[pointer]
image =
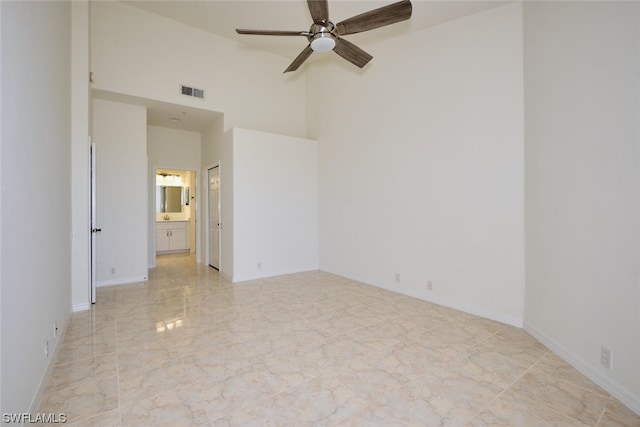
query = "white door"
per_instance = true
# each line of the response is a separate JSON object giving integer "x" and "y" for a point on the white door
{"x": 214, "y": 217}
{"x": 94, "y": 228}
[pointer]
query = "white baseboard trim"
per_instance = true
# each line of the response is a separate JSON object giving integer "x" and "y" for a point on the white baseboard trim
{"x": 471, "y": 309}
{"x": 81, "y": 307}
{"x": 261, "y": 275}
{"x": 122, "y": 281}
{"x": 617, "y": 390}
{"x": 431, "y": 297}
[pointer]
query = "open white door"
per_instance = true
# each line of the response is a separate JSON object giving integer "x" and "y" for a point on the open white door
{"x": 94, "y": 228}
{"x": 214, "y": 217}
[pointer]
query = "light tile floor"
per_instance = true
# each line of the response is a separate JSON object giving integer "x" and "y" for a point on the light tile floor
{"x": 189, "y": 348}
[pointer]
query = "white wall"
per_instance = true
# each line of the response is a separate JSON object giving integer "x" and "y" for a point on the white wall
{"x": 227, "y": 192}
{"x": 173, "y": 149}
{"x": 583, "y": 186}
{"x": 212, "y": 142}
{"x": 80, "y": 170}
{"x": 120, "y": 133}
{"x": 275, "y": 204}
{"x": 2, "y": 384}
{"x": 421, "y": 164}
{"x": 139, "y": 53}
{"x": 36, "y": 216}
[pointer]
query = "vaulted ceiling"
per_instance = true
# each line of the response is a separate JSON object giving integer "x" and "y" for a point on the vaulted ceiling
{"x": 223, "y": 17}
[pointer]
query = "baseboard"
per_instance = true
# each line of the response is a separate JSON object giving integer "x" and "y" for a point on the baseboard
{"x": 81, "y": 307}
{"x": 255, "y": 276}
{"x": 617, "y": 390}
{"x": 37, "y": 398}
{"x": 178, "y": 251}
{"x": 471, "y": 309}
{"x": 436, "y": 299}
{"x": 122, "y": 281}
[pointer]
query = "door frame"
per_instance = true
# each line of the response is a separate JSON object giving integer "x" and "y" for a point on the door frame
{"x": 207, "y": 232}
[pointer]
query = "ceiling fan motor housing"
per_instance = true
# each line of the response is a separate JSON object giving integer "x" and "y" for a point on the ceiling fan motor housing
{"x": 322, "y": 36}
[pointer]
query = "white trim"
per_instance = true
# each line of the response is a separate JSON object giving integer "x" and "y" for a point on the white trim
{"x": 205, "y": 190}
{"x": 177, "y": 251}
{"x": 430, "y": 297}
{"x": 246, "y": 277}
{"x": 617, "y": 390}
{"x": 196, "y": 192}
{"x": 81, "y": 307}
{"x": 123, "y": 281}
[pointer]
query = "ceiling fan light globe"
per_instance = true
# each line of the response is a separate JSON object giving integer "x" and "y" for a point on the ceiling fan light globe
{"x": 323, "y": 43}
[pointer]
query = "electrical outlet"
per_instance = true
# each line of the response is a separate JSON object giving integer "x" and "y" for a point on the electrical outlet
{"x": 259, "y": 266}
{"x": 46, "y": 349}
{"x": 113, "y": 270}
{"x": 430, "y": 285}
{"x": 605, "y": 357}
{"x": 397, "y": 277}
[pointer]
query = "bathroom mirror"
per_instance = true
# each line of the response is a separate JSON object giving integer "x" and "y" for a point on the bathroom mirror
{"x": 168, "y": 199}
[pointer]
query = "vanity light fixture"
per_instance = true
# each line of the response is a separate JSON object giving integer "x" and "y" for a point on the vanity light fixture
{"x": 168, "y": 179}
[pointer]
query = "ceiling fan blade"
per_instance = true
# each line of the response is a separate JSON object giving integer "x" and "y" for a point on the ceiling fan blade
{"x": 300, "y": 59}
{"x": 376, "y": 18}
{"x": 272, "y": 32}
{"x": 319, "y": 10}
{"x": 352, "y": 53}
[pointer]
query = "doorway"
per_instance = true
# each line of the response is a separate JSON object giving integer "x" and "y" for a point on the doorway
{"x": 175, "y": 211}
{"x": 213, "y": 215}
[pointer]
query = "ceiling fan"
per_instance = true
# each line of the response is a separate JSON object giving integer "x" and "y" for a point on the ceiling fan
{"x": 324, "y": 35}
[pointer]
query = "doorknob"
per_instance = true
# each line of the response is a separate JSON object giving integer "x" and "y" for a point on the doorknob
{"x": 96, "y": 230}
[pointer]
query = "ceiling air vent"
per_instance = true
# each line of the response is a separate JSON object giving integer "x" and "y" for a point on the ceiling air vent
{"x": 192, "y": 91}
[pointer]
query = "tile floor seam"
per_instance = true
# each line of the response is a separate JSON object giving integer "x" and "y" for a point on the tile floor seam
{"x": 603, "y": 412}
{"x": 504, "y": 390}
{"x": 572, "y": 384}
{"x": 550, "y": 407}
{"x": 486, "y": 406}
{"x": 115, "y": 322}
{"x": 576, "y": 385}
{"x": 575, "y": 420}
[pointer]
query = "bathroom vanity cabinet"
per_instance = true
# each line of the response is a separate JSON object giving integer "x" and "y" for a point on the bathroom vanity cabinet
{"x": 172, "y": 236}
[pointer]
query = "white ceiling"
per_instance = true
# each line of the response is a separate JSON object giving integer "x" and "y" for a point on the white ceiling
{"x": 223, "y": 17}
